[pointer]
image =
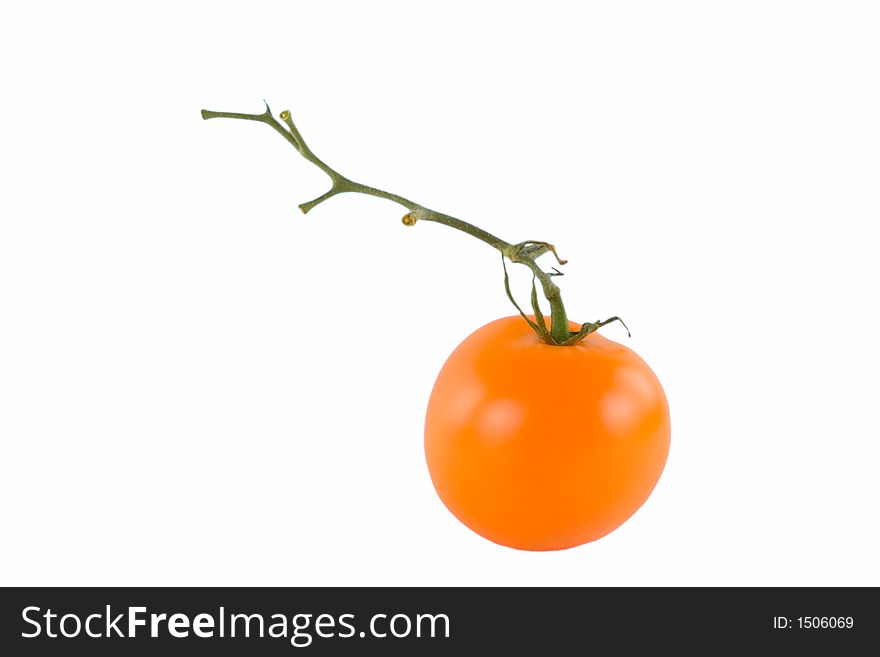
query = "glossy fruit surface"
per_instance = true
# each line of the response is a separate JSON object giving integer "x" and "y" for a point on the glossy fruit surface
{"x": 542, "y": 447}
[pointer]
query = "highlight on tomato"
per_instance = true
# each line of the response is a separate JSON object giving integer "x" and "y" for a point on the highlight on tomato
{"x": 540, "y": 433}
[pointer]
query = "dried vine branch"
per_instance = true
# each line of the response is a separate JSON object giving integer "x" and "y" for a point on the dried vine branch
{"x": 525, "y": 253}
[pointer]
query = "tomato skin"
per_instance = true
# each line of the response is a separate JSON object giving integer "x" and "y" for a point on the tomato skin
{"x": 541, "y": 447}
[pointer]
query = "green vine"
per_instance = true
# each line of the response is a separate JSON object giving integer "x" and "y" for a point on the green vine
{"x": 524, "y": 253}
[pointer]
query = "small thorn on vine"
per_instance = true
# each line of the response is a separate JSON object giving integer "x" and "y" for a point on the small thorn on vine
{"x": 409, "y": 219}
{"x": 555, "y": 272}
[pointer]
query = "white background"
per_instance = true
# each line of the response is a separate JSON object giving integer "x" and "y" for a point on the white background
{"x": 199, "y": 385}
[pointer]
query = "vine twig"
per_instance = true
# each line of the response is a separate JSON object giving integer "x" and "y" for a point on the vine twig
{"x": 524, "y": 253}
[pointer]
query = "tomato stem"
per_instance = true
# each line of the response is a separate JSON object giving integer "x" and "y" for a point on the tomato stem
{"x": 524, "y": 253}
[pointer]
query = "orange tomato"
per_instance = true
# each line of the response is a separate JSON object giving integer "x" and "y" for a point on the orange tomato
{"x": 541, "y": 447}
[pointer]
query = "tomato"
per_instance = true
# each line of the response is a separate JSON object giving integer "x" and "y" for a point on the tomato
{"x": 542, "y": 447}
{"x": 533, "y": 445}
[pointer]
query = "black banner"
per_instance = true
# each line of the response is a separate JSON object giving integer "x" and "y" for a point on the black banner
{"x": 432, "y": 621}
